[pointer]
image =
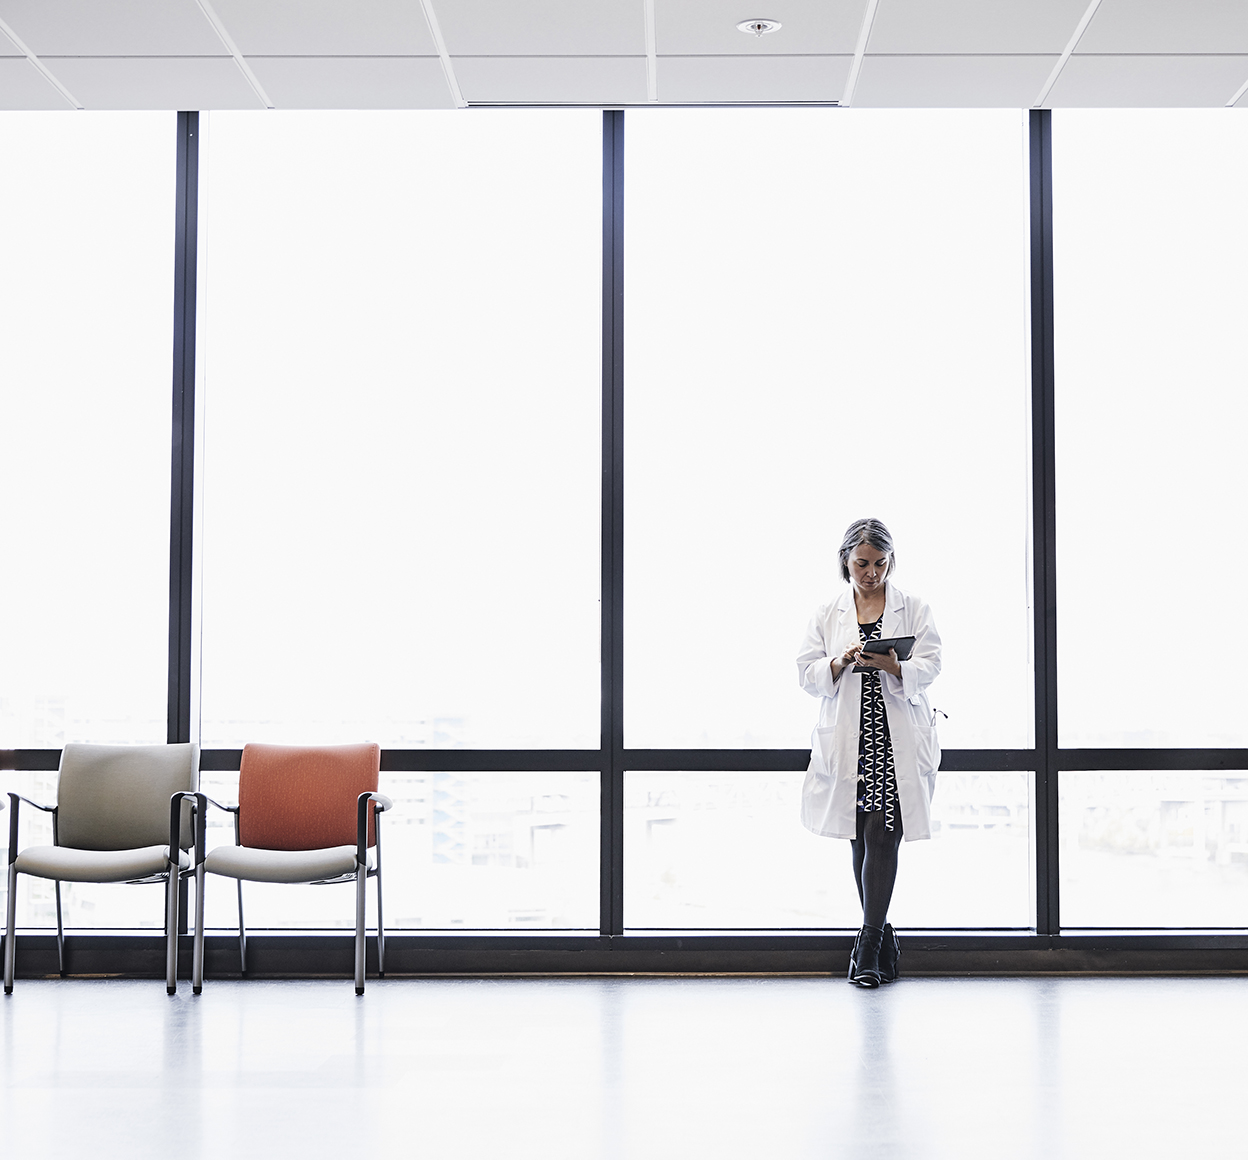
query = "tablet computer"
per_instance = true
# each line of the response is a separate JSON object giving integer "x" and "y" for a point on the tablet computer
{"x": 903, "y": 644}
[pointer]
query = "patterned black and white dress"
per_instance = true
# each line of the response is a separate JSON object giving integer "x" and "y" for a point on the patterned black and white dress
{"x": 877, "y": 777}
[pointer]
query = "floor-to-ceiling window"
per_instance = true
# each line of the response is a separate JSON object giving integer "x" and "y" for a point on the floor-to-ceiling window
{"x": 401, "y": 485}
{"x": 825, "y": 319}
{"x": 1151, "y": 244}
{"x": 86, "y": 302}
{"x": 405, "y": 475}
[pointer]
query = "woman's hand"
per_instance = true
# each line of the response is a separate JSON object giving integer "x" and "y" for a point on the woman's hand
{"x": 847, "y": 658}
{"x": 888, "y": 664}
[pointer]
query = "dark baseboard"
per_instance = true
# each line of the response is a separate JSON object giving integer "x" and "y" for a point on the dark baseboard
{"x": 312, "y": 955}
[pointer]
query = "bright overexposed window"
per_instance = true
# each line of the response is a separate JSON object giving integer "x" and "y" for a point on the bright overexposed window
{"x": 1148, "y": 849}
{"x": 86, "y": 318}
{"x": 1150, "y": 244}
{"x": 460, "y": 851}
{"x": 826, "y": 319}
{"x": 401, "y": 466}
{"x": 726, "y": 850}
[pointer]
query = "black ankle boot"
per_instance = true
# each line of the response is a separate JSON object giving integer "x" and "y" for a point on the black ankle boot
{"x": 870, "y": 942}
{"x": 890, "y": 953}
{"x": 853, "y": 957}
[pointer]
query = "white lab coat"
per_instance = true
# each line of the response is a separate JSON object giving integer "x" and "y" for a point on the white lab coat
{"x": 829, "y": 795}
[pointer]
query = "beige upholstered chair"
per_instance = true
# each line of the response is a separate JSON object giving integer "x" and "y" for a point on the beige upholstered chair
{"x": 304, "y": 815}
{"x": 115, "y": 820}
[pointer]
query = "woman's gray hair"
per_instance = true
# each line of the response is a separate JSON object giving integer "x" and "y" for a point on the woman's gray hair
{"x": 866, "y": 532}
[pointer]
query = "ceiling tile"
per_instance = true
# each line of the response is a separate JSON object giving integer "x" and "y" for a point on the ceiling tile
{"x": 975, "y": 26}
{"x": 1148, "y": 82}
{"x": 950, "y": 82}
{"x": 1167, "y": 26}
{"x": 599, "y": 80}
{"x": 112, "y": 27}
{"x": 714, "y": 79}
{"x": 543, "y": 27}
{"x": 22, "y": 86}
{"x": 327, "y": 27}
{"x": 153, "y": 82}
{"x": 353, "y": 82}
{"x": 693, "y": 27}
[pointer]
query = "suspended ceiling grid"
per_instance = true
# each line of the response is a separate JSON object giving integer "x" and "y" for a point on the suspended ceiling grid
{"x": 433, "y": 54}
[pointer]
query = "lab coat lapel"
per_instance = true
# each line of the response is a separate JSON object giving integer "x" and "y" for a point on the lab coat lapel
{"x": 846, "y": 620}
{"x": 894, "y": 606}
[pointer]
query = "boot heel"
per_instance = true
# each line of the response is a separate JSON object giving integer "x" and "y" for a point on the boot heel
{"x": 853, "y": 957}
{"x": 890, "y": 955}
{"x": 867, "y": 973}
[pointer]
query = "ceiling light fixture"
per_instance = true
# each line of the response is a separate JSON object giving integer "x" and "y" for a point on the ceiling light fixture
{"x": 758, "y": 26}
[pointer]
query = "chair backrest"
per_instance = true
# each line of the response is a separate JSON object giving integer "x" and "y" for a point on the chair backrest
{"x": 116, "y": 797}
{"x": 294, "y": 797}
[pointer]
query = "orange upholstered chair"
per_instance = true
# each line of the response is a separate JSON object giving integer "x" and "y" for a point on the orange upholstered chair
{"x": 303, "y": 815}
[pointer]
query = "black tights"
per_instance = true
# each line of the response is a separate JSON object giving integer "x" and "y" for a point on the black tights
{"x": 875, "y": 864}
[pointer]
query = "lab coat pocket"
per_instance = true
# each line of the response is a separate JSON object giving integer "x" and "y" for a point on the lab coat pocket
{"x": 819, "y": 788}
{"x": 823, "y": 751}
{"x": 926, "y": 749}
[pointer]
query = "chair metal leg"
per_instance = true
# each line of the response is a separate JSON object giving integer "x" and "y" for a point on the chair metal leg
{"x": 60, "y": 933}
{"x": 361, "y": 884}
{"x": 242, "y": 932}
{"x": 381, "y": 929}
{"x": 171, "y": 930}
{"x": 10, "y": 947}
{"x": 381, "y": 922}
{"x": 197, "y": 962}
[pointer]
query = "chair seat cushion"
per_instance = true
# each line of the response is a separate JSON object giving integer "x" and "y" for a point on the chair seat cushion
{"x": 71, "y": 865}
{"x": 255, "y": 864}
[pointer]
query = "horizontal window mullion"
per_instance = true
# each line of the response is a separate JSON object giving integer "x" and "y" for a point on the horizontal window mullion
{"x": 300, "y": 953}
{"x": 744, "y": 760}
{"x": 1152, "y": 759}
{"x": 30, "y": 759}
{"x": 451, "y": 760}
{"x": 762, "y": 760}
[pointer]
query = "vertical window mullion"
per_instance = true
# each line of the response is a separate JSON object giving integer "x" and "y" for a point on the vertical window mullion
{"x": 611, "y": 913}
{"x": 1044, "y": 560}
{"x": 182, "y": 482}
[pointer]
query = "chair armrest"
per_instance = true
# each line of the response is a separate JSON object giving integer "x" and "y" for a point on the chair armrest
{"x": 381, "y": 803}
{"x": 202, "y": 802}
{"x": 20, "y": 797}
{"x": 199, "y": 810}
{"x": 16, "y": 799}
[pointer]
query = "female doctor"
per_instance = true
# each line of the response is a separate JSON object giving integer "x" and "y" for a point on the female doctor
{"x": 874, "y": 753}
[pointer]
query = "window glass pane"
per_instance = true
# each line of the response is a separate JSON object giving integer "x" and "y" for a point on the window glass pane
{"x": 1149, "y": 849}
{"x": 826, "y": 320}
{"x": 401, "y": 477}
{"x": 726, "y": 850}
{"x": 86, "y": 316}
{"x": 500, "y": 851}
{"x": 1150, "y": 247}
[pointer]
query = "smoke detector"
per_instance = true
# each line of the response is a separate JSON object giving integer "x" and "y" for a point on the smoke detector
{"x": 758, "y": 26}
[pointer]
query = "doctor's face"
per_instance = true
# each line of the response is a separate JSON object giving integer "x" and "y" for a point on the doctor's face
{"x": 867, "y": 568}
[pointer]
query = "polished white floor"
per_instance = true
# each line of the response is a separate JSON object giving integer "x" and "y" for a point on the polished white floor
{"x": 627, "y": 1068}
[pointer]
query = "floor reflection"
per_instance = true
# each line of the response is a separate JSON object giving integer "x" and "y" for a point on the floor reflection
{"x": 616, "y": 1069}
